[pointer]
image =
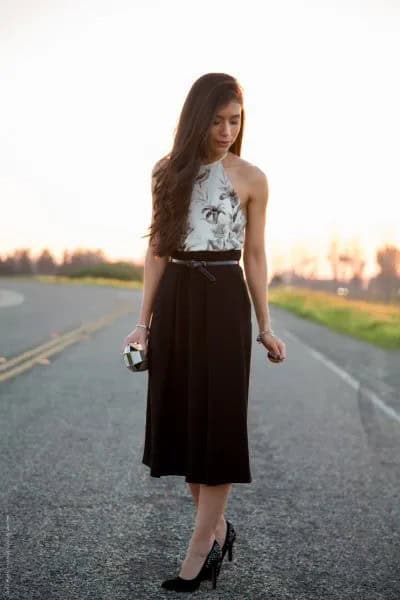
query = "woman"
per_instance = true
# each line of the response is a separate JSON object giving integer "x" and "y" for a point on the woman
{"x": 208, "y": 204}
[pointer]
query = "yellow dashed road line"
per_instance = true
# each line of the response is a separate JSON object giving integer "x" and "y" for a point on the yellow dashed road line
{"x": 28, "y": 359}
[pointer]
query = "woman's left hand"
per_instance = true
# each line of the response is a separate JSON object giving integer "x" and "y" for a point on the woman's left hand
{"x": 276, "y": 347}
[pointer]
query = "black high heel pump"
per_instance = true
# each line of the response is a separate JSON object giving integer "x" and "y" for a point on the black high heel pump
{"x": 227, "y": 546}
{"x": 209, "y": 570}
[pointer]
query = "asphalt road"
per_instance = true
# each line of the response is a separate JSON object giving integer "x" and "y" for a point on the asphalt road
{"x": 80, "y": 517}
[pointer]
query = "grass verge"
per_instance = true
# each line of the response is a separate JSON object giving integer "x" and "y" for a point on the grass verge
{"x": 373, "y": 322}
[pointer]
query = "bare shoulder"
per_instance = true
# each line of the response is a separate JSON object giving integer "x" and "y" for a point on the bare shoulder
{"x": 258, "y": 186}
{"x": 254, "y": 174}
{"x": 253, "y": 179}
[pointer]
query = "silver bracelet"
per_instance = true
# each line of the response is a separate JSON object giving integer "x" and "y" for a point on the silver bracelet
{"x": 144, "y": 326}
{"x": 259, "y": 339}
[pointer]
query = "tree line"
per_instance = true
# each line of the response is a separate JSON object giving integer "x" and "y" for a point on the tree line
{"x": 347, "y": 269}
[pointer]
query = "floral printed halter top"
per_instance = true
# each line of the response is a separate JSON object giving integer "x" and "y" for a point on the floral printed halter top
{"x": 215, "y": 219}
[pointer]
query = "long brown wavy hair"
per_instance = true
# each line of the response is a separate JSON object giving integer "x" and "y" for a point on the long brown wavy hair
{"x": 174, "y": 173}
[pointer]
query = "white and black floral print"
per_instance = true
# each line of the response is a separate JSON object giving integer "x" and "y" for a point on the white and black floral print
{"x": 215, "y": 219}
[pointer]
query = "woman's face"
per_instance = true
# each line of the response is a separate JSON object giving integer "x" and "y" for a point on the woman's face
{"x": 224, "y": 128}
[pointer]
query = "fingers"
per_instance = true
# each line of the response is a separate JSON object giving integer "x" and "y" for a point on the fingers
{"x": 135, "y": 342}
{"x": 277, "y": 353}
{"x": 274, "y": 349}
{"x": 282, "y": 349}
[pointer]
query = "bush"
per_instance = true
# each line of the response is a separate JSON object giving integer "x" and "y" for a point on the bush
{"x": 118, "y": 270}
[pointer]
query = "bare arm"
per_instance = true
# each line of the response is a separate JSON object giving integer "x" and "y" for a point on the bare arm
{"x": 154, "y": 267}
{"x": 254, "y": 258}
{"x": 255, "y": 264}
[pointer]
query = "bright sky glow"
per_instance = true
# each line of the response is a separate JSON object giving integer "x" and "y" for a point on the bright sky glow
{"x": 91, "y": 92}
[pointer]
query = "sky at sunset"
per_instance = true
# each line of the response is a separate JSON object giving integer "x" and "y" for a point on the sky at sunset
{"x": 91, "y": 91}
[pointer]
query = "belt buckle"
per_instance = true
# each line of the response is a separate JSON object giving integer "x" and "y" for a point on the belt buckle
{"x": 195, "y": 263}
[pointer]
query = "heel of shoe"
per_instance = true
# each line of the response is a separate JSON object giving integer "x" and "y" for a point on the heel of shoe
{"x": 232, "y": 538}
{"x": 230, "y": 552}
{"x": 214, "y": 576}
{"x": 212, "y": 569}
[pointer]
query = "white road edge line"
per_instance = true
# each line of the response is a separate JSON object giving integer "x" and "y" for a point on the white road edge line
{"x": 7, "y": 581}
{"x": 352, "y": 381}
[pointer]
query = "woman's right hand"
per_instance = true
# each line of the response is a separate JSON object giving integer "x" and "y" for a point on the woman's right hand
{"x": 138, "y": 335}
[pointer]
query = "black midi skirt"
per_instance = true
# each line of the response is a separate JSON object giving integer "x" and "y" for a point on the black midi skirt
{"x": 199, "y": 352}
